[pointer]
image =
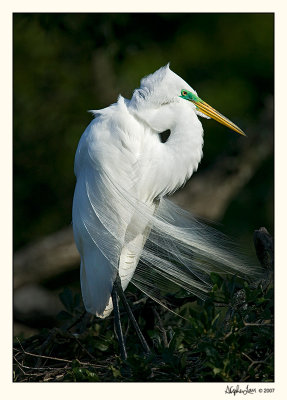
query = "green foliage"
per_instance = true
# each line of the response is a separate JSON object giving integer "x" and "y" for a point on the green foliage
{"x": 227, "y": 338}
{"x": 79, "y": 374}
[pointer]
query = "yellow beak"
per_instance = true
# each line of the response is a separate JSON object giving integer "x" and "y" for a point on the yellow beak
{"x": 209, "y": 111}
{"x": 212, "y": 113}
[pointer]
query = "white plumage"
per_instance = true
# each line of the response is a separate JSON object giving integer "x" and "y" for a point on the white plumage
{"x": 120, "y": 214}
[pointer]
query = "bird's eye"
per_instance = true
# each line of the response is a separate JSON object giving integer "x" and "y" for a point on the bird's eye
{"x": 183, "y": 92}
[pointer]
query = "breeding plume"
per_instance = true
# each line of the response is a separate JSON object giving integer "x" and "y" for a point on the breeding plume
{"x": 125, "y": 229}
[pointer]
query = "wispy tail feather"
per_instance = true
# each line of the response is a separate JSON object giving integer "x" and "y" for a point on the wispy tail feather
{"x": 178, "y": 249}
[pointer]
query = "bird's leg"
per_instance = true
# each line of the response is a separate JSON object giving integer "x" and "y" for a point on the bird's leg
{"x": 118, "y": 325}
{"x": 122, "y": 296}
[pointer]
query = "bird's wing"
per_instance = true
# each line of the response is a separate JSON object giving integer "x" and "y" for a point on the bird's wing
{"x": 109, "y": 225}
{"x": 96, "y": 243}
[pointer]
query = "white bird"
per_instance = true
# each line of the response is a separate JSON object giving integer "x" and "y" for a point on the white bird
{"x": 120, "y": 213}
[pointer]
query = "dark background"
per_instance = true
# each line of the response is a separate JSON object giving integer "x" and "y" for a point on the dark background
{"x": 66, "y": 64}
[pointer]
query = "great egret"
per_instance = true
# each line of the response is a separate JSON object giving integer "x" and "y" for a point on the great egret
{"x": 120, "y": 214}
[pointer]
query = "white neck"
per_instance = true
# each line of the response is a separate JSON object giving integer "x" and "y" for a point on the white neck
{"x": 167, "y": 166}
{"x": 183, "y": 152}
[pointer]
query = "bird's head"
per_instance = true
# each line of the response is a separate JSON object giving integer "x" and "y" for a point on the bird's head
{"x": 164, "y": 89}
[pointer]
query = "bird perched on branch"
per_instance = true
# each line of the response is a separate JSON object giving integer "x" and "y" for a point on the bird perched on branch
{"x": 124, "y": 227}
